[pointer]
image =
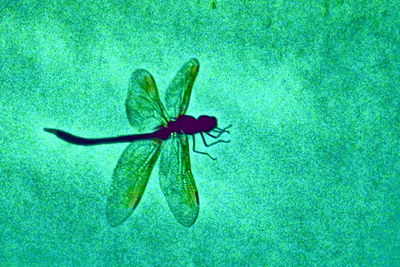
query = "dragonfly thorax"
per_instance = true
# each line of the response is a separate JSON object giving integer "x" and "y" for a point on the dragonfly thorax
{"x": 190, "y": 125}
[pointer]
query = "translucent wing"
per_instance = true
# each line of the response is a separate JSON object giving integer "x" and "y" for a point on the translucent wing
{"x": 130, "y": 179}
{"x": 143, "y": 106}
{"x": 178, "y": 93}
{"x": 177, "y": 181}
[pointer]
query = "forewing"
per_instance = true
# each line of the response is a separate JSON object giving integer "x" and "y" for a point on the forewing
{"x": 177, "y": 181}
{"x": 130, "y": 179}
{"x": 178, "y": 93}
{"x": 143, "y": 106}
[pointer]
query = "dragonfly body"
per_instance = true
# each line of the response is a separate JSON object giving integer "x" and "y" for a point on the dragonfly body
{"x": 184, "y": 124}
{"x": 171, "y": 127}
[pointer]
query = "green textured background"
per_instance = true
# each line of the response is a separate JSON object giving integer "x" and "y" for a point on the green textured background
{"x": 312, "y": 89}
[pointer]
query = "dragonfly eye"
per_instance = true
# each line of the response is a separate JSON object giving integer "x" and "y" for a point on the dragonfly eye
{"x": 208, "y": 123}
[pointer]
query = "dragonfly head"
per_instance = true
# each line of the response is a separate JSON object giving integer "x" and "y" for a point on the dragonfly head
{"x": 207, "y": 123}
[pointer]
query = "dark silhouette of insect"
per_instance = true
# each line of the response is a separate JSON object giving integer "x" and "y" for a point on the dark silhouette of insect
{"x": 170, "y": 130}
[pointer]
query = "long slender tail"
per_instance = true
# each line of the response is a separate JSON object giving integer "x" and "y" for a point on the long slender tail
{"x": 73, "y": 139}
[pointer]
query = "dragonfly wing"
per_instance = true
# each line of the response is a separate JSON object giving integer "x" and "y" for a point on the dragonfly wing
{"x": 178, "y": 93}
{"x": 143, "y": 106}
{"x": 130, "y": 179}
{"x": 177, "y": 181}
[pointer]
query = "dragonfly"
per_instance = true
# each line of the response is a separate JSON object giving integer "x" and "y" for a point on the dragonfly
{"x": 161, "y": 131}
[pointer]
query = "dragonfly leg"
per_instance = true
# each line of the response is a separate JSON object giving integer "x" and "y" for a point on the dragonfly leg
{"x": 215, "y": 136}
{"x": 219, "y": 131}
{"x": 223, "y": 130}
{"x": 200, "y": 152}
{"x": 216, "y": 142}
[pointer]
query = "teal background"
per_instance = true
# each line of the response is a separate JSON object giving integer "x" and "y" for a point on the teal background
{"x": 311, "y": 176}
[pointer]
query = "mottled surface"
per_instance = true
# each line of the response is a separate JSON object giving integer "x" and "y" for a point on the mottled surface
{"x": 311, "y": 176}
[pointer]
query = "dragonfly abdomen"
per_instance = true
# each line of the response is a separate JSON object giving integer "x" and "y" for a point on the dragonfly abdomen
{"x": 162, "y": 134}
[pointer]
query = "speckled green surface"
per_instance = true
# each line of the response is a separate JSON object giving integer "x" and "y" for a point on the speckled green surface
{"x": 312, "y": 90}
